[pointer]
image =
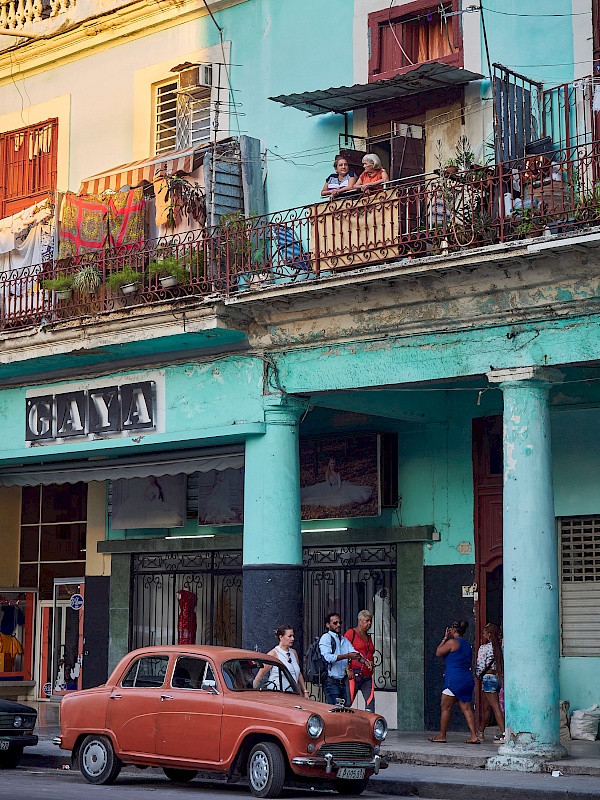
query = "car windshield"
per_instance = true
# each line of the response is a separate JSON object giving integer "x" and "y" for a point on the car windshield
{"x": 258, "y": 674}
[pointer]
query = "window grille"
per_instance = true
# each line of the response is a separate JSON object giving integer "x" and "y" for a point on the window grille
{"x": 580, "y": 585}
{"x": 183, "y": 116}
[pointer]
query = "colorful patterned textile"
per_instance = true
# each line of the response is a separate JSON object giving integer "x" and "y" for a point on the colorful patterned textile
{"x": 83, "y": 225}
{"x": 126, "y": 218}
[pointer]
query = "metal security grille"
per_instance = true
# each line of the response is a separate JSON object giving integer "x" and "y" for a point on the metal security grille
{"x": 166, "y": 117}
{"x": 580, "y": 585}
{"x": 346, "y": 580}
{"x": 171, "y": 588}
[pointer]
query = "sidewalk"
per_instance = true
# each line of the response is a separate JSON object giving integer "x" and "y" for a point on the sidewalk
{"x": 419, "y": 768}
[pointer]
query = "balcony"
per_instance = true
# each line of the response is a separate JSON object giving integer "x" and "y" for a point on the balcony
{"x": 416, "y": 222}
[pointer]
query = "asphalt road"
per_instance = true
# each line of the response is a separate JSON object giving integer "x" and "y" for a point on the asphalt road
{"x": 45, "y": 784}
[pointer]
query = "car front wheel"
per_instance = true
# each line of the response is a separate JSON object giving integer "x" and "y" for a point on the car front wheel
{"x": 11, "y": 759}
{"x": 97, "y": 760}
{"x": 179, "y": 775}
{"x": 350, "y": 788}
{"x": 266, "y": 770}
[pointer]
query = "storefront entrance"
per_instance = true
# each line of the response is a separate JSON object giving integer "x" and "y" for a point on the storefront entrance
{"x": 61, "y": 639}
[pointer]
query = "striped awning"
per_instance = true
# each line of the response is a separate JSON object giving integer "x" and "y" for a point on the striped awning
{"x": 136, "y": 172}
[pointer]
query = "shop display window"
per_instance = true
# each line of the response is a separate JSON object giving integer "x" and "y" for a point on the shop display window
{"x": 16, "y": 634}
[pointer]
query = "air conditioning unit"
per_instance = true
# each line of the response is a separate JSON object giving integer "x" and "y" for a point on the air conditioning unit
{"x": 196, "y": 81}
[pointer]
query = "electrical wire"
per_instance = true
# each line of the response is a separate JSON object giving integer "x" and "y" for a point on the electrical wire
{"x": 535, "y": 16}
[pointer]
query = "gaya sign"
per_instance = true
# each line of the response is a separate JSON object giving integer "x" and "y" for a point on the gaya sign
{"x": 103, "y": 410}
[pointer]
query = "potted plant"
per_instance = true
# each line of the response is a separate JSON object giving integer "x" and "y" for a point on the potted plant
{"x": 87, "y": 279}
{"x": 169, "y": 270}
{"x": 62, "y": 286}
{"x": 465, "y": 157}
{"x": 126, "y": 279}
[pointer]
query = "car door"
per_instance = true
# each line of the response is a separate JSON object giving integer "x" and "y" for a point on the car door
{"x": 189, "y": 716}
{"x": 133, "y": 705}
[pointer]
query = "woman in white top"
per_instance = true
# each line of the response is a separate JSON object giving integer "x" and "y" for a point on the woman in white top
{"x": 287, "y": 655}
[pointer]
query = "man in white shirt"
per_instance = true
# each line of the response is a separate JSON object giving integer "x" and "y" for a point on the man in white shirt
{"x": 337, "y": 651}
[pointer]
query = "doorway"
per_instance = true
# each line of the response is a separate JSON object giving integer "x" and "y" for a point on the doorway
{"x": 61, "y": 639}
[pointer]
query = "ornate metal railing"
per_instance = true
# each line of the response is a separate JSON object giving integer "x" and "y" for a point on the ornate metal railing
{"x": 433, "y": 214}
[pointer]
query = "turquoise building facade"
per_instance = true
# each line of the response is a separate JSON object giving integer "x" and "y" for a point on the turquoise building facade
{"x": 472, "y": 372}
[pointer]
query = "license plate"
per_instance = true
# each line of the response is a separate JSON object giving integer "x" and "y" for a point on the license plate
{"x": 351, "y": 773}
{"x": 4, "y": 744}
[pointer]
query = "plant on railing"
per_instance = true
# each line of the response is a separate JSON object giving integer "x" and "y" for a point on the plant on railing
{"x": 529, "y": 223}
{"x": 587, "y": 208}
{"x": 245, "y": 249}
{"x": 465, "y": 157}
{"x": 62, "y": 285}
{"x": 169, "y": 267}
{"x": 87, "y": 279}
{"x": 125, "y": 279}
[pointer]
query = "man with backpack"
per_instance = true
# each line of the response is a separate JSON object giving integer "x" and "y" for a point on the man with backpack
{"x": 337, "y": 652}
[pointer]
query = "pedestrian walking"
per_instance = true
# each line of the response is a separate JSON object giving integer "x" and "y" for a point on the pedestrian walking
{"x": 362, "y": 670}
{"x": 458, "y": 679}
{"x": 337, "y": 652}
{"x": 288, "y": 656}
{"x": 490, "y": 671}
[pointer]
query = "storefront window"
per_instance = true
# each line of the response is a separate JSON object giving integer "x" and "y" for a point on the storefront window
{"x": 16, "y": 633}
{"x": 53, "y": 531}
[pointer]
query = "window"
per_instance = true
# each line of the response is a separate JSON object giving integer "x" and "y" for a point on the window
{"x": 28, "y": 166}
{"x": 183, "y": 110}
{"x": 146, "y": 673}
{"x": 53, "y": 534}
{"x": 413, "y": 33}
{"x": 580, "y": 585}
{"x": 191, "y": 673}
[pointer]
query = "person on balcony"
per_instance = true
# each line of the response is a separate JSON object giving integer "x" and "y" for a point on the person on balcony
{"x": 374, "y": 176}
{"x": 342, "y": 180}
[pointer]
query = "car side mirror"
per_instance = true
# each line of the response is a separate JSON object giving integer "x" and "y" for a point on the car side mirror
{"x": 209, "y": 686}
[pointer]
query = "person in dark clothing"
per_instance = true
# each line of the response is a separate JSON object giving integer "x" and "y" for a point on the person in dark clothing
{"x": 458, "y": 679}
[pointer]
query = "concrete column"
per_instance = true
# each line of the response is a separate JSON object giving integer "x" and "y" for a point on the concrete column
{"x": 272, "y": 534}
{"x": 531, "y": 587}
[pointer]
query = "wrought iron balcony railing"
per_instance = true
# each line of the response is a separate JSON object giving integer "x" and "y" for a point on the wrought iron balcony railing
{"x": 429, "y": 215}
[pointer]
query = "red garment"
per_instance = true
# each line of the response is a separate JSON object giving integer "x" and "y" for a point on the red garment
{"x": 83, "y": 225}
{"x": 186, "y": 622}
{"x": 377, "y": 175}
{"x": 366, "y": 649}
{"x": 126, "y": 219}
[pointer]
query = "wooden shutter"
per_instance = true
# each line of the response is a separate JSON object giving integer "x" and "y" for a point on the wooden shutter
{"x": 28, "y": 165}
{"x": 580, "y": 585}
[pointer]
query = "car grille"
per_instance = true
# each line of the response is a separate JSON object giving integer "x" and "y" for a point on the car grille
{"x": 348, "y": 750}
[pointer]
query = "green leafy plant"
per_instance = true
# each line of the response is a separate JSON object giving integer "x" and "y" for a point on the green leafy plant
{"x": 123, "y": 277}
{"x": 62, "y": 283}
{"x": 529, "y": 223}
{"x": 465, "y": 157}
{"x": 87, "y": 279}
{"x": 183, "y": 198}
{"x": 169, "y": 266}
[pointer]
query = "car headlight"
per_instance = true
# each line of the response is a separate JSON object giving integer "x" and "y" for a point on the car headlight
{"x": 314, "y": 726}
{"x": 380, "y": 729}
{"x": 17, "y": 722}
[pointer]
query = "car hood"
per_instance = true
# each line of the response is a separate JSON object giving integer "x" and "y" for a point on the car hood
{"x": 339, "y": 724}
{"x": 8, "y": 707}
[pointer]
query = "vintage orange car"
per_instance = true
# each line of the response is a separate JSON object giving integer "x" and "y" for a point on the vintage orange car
{"x": 235, "y": 712}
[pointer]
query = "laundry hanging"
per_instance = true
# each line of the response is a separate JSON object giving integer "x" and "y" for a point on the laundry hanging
{"x": 91, "y": 223}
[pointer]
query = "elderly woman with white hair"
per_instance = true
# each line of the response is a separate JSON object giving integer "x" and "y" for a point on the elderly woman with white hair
{"x": 361, "y": 641}
{"x": 373, "y": 176}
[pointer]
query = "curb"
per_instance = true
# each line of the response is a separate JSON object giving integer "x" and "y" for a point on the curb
{"x": 437, "y": 790}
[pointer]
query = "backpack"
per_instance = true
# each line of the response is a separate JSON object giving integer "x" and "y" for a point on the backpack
{"x": 316, "y": 666}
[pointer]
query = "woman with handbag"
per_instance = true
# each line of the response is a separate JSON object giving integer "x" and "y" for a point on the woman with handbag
{"x": 490, "y": 671}
{"x": 362, "y": 670}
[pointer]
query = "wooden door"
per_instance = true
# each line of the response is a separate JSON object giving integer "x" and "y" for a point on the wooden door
{"x": 487, "y": 480}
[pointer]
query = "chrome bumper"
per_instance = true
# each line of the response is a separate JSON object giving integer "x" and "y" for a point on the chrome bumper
{"x": 329, "y": 764}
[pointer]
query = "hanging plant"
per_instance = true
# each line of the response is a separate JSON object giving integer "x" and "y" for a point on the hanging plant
{"x": 183, "y": 199}
{"x": 87, "y": 279}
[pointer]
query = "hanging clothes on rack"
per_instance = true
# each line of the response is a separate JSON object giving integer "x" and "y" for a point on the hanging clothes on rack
{"x": 83, "y": 227}
{"x": 186, "y": 622}
{"x": 126, "y": 219}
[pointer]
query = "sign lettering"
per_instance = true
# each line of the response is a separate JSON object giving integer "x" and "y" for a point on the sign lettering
{"x": 105, "y": 410}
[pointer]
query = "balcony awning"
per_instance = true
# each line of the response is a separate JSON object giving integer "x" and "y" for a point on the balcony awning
{"x": 137, "y": 171}
{"x": 422, "y": 78}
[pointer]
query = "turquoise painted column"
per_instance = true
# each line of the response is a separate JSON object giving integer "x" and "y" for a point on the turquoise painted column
{"x": 272, "y": 530}
{"x": 531, "y": 588}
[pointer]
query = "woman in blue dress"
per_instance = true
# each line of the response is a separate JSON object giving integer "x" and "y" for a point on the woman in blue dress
{"x": 458, "y": 679}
